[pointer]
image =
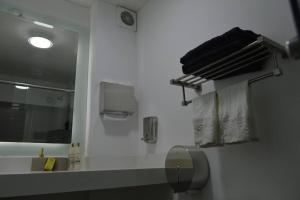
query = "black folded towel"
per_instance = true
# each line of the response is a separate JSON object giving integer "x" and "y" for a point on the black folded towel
{"x": 217, "y": 48}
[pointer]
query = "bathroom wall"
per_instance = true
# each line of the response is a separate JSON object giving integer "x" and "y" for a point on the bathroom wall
{"x": 148, "y": 59}
{"x": 268, "y": 169}
{"x": 112, "y": 58}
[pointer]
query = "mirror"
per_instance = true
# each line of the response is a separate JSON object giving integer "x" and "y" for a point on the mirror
{"x": 37, "y": 80}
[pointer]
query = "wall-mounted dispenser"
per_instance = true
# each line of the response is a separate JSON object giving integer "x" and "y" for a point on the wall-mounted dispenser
{"x": 150, "y": 129}
{"x": 117, "y": 101}
{"x": 186, "y": 168}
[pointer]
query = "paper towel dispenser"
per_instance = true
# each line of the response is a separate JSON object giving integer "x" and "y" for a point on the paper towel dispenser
{"x": 117, "y": 100}
{"x": 186, "y": 168}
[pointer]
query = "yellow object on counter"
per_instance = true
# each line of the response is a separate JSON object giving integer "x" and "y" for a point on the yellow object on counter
{"x": 49, "y": 166}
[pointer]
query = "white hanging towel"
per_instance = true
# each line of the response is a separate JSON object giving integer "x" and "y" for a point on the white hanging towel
{"x": 206, "y": 120}
{"x": 235, "y": 114}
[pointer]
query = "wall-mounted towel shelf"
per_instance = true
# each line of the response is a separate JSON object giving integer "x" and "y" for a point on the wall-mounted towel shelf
{"x": 258, "y": 51}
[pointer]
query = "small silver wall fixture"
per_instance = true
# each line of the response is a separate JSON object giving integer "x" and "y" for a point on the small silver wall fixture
{"x": 186, "y": 168}
{"x": 150, "y": 129}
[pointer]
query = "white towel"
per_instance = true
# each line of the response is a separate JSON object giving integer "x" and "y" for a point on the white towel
{"x": 234, "y": 114}
{"x": 206, "y": 120}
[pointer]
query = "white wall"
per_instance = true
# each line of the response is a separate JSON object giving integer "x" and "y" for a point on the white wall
{"x": 113, "y": 57}
{"x": 268, "y": 169}
{"x": 167, "y": 30}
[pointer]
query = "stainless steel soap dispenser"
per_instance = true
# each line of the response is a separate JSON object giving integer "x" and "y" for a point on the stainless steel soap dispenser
{"x": 150, "y": 129}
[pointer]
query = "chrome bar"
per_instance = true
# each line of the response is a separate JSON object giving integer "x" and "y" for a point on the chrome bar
{"x": 275, "y": 60}
{"x": 185, "y": 102}
{"x": 276, "y": 72}
{"x": 182, "y": 83}
{"x": 194, "y": 84}
{"x": 267, "y": 75}
{"x": 251, "y": 81}
{"x": 274, "y": 45}
{"x": 258, "y": 42}
{"x": 187, "y": 80}
{"x": 36, "y": 86}
{"x": 241, "y": 67}
{"x": 231, "y": 63}
{"x": 199, "y": 79}
{"x": 237, "y": 58}
{"x": 227, "y": 64}
{"x": 228, "y": 67}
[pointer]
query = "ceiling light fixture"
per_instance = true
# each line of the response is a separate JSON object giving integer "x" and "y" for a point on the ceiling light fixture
{"x": 40, "y": 42}
{"x": 43, "y": 24}
{"x": 21, "y": 87}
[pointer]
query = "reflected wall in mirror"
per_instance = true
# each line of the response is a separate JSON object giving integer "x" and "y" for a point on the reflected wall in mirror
{"x": 37, "y": 80}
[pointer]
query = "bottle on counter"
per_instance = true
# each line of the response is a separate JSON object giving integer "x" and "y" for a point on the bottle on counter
{"x": 41, "y": 154}
{"x": 77, "y": 161}
{"x": 71, "y": 156}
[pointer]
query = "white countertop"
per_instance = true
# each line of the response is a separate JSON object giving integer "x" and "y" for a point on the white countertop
{"x": 69, "y": 181}
{"x": 99, "y": 173}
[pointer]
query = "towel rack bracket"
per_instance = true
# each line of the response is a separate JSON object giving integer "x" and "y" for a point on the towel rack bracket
{"x": 185, "y": 102}
{"x": 277, "y": 72}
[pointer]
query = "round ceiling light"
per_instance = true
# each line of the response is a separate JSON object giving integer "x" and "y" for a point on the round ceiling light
{"x": 21, "y": 87}
{"x": 40, "y": 42}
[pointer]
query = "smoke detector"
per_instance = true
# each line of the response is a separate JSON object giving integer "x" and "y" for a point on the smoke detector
{"x": 126, "y": 18}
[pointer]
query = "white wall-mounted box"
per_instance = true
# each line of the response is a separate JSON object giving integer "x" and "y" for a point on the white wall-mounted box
{"x": 117, "y": 99}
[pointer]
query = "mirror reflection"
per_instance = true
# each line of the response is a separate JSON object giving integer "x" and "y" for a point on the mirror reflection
{"x": 37, "y": 78}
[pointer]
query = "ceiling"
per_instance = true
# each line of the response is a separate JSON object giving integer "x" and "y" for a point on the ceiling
{"x": 20, "y": 61}
{"x": 85, "y": 3}
{"x": 131, "y": 4}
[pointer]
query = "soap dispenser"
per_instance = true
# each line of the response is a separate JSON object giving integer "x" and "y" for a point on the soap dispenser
{"x": 41, "y": 154}
{"x": 77, "y": 157}
{"x": 71, "y": 156}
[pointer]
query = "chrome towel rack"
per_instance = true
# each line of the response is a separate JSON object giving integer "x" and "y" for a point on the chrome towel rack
{"x": 258, "y": 51}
